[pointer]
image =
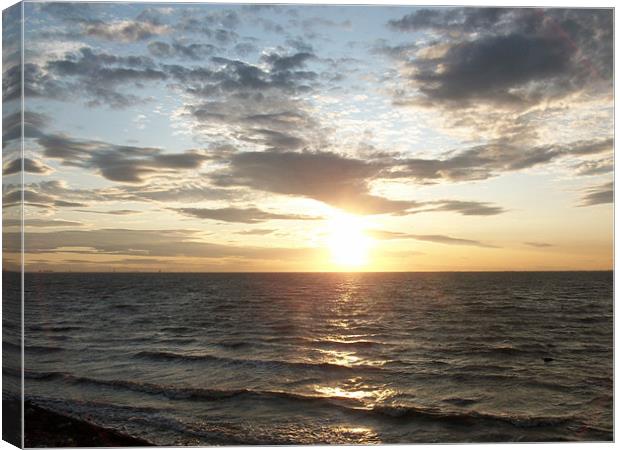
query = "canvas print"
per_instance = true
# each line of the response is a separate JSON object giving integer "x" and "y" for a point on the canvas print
{"x": 239, "y": 224}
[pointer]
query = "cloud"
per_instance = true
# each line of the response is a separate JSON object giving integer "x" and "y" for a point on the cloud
{"x": 71, "y": 12}
{"x": 312, "y": 22}
{"x": 162, "y": 192}
{"x": 100, "y": 76}
{"x": 52, "y": 193}
{"x": 281, "y": 63}
{"x": 194, "y": 52}
{"x": 271, "y": 120}
{"x": 239, "y": 215}
{"x": 81, "y": 21}
{"x": 12, "y": 126}
{"x": 123, "y": 30}
{"x": 229, "y": 75}
{"x": 146, "y": 243}
{"x": 29, "y": 165}
{"x": 210, "y": 28}
{"x": 597, "y": 167}
{"x": 496, "y": 69}
{"x": 13, "y": 197}
{"x": 488, "y": 160}
{"x": 324, "y": 176}
{"x": 256, "y": 232}
{"x": 451, "y": 19}
{"x": 245, "y": 48}
{"x": 274, "y": 140}
{"x": 474, "y": 26}
{"x": 598, "y": 195}
{"x": 504, "y": 72}
{"x": 166, "y": 191}
{"x": 251, "y": 104}
{"x": 436, "y": 238}
{"x": 466, "y": 208}
{"x": 538, "y": 244}
{"x": 43, "y": 223}
{"x": 114, "y": 212}
{"x": 124, "y": 164}
{"x": 398, "y": 51}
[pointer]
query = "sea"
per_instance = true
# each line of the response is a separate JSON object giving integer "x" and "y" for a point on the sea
{"x": 324, "y": 358}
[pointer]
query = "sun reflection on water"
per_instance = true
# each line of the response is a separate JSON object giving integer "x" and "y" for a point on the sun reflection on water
{"x": 357, "y": 389}
{"x": 342, "y": 393}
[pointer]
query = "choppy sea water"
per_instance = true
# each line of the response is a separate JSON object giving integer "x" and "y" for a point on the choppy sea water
{"x": 197, "y": 359}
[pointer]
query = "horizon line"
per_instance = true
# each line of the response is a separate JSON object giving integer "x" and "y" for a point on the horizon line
{"x": 305, "y": 272}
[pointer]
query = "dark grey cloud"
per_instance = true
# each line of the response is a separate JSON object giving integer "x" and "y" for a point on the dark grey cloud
{"x": 102, "y": 77}
{"x": 254, "y": 105}
{"x": 29, "y": 165}
{"x": 194, "y": 52}
{"x": 125, "y": 164}
{"x": 245, "y": 48}
{"x": 281, "y": 63}
{"x": 239, "y": 215}
{"x": 484, "y": 161}
{"x": 83, "y": 20}
{"x": 299, "y": 44}
{"x": 437, "y": 238}
{"x": 37, "y": 83}
{"x": 452, "y": 20}
{"x": 274, "y": 140}
{"x": 97, "y": 78}
{"x": 211, "y": 27}
{"x": 123, "y": 31}
{"x": 276, "y": 122}
{"x": 493, "y": 69}
{"x": 12, "y": 80}
{"x": 32, "y": 122}
{"x": 283, "y": 72}
{"x": 505, "y": 57}
{"x": 328, "y": 177}
{"x": 598, "y": 195}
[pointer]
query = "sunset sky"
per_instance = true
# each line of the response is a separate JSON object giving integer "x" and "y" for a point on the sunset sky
{"x": 311, "y": 138}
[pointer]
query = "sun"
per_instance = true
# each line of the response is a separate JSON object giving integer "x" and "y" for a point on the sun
{"x": 348, "y": 244}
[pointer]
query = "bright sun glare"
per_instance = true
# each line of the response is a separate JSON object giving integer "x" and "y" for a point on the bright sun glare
{"x": 348, "y": 244}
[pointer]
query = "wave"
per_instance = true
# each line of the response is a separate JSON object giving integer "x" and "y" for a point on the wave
{"x": 470, "y": 416}
{"x": 302, "y": 342}
{"x": 186, "y": 393}
{"x": 274, "y": 364}
{"x": 55, "y": 328}
{"x": 346, "y": 404}
{"x": 6, "y": 345}
{"x": 42, "y": 349}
